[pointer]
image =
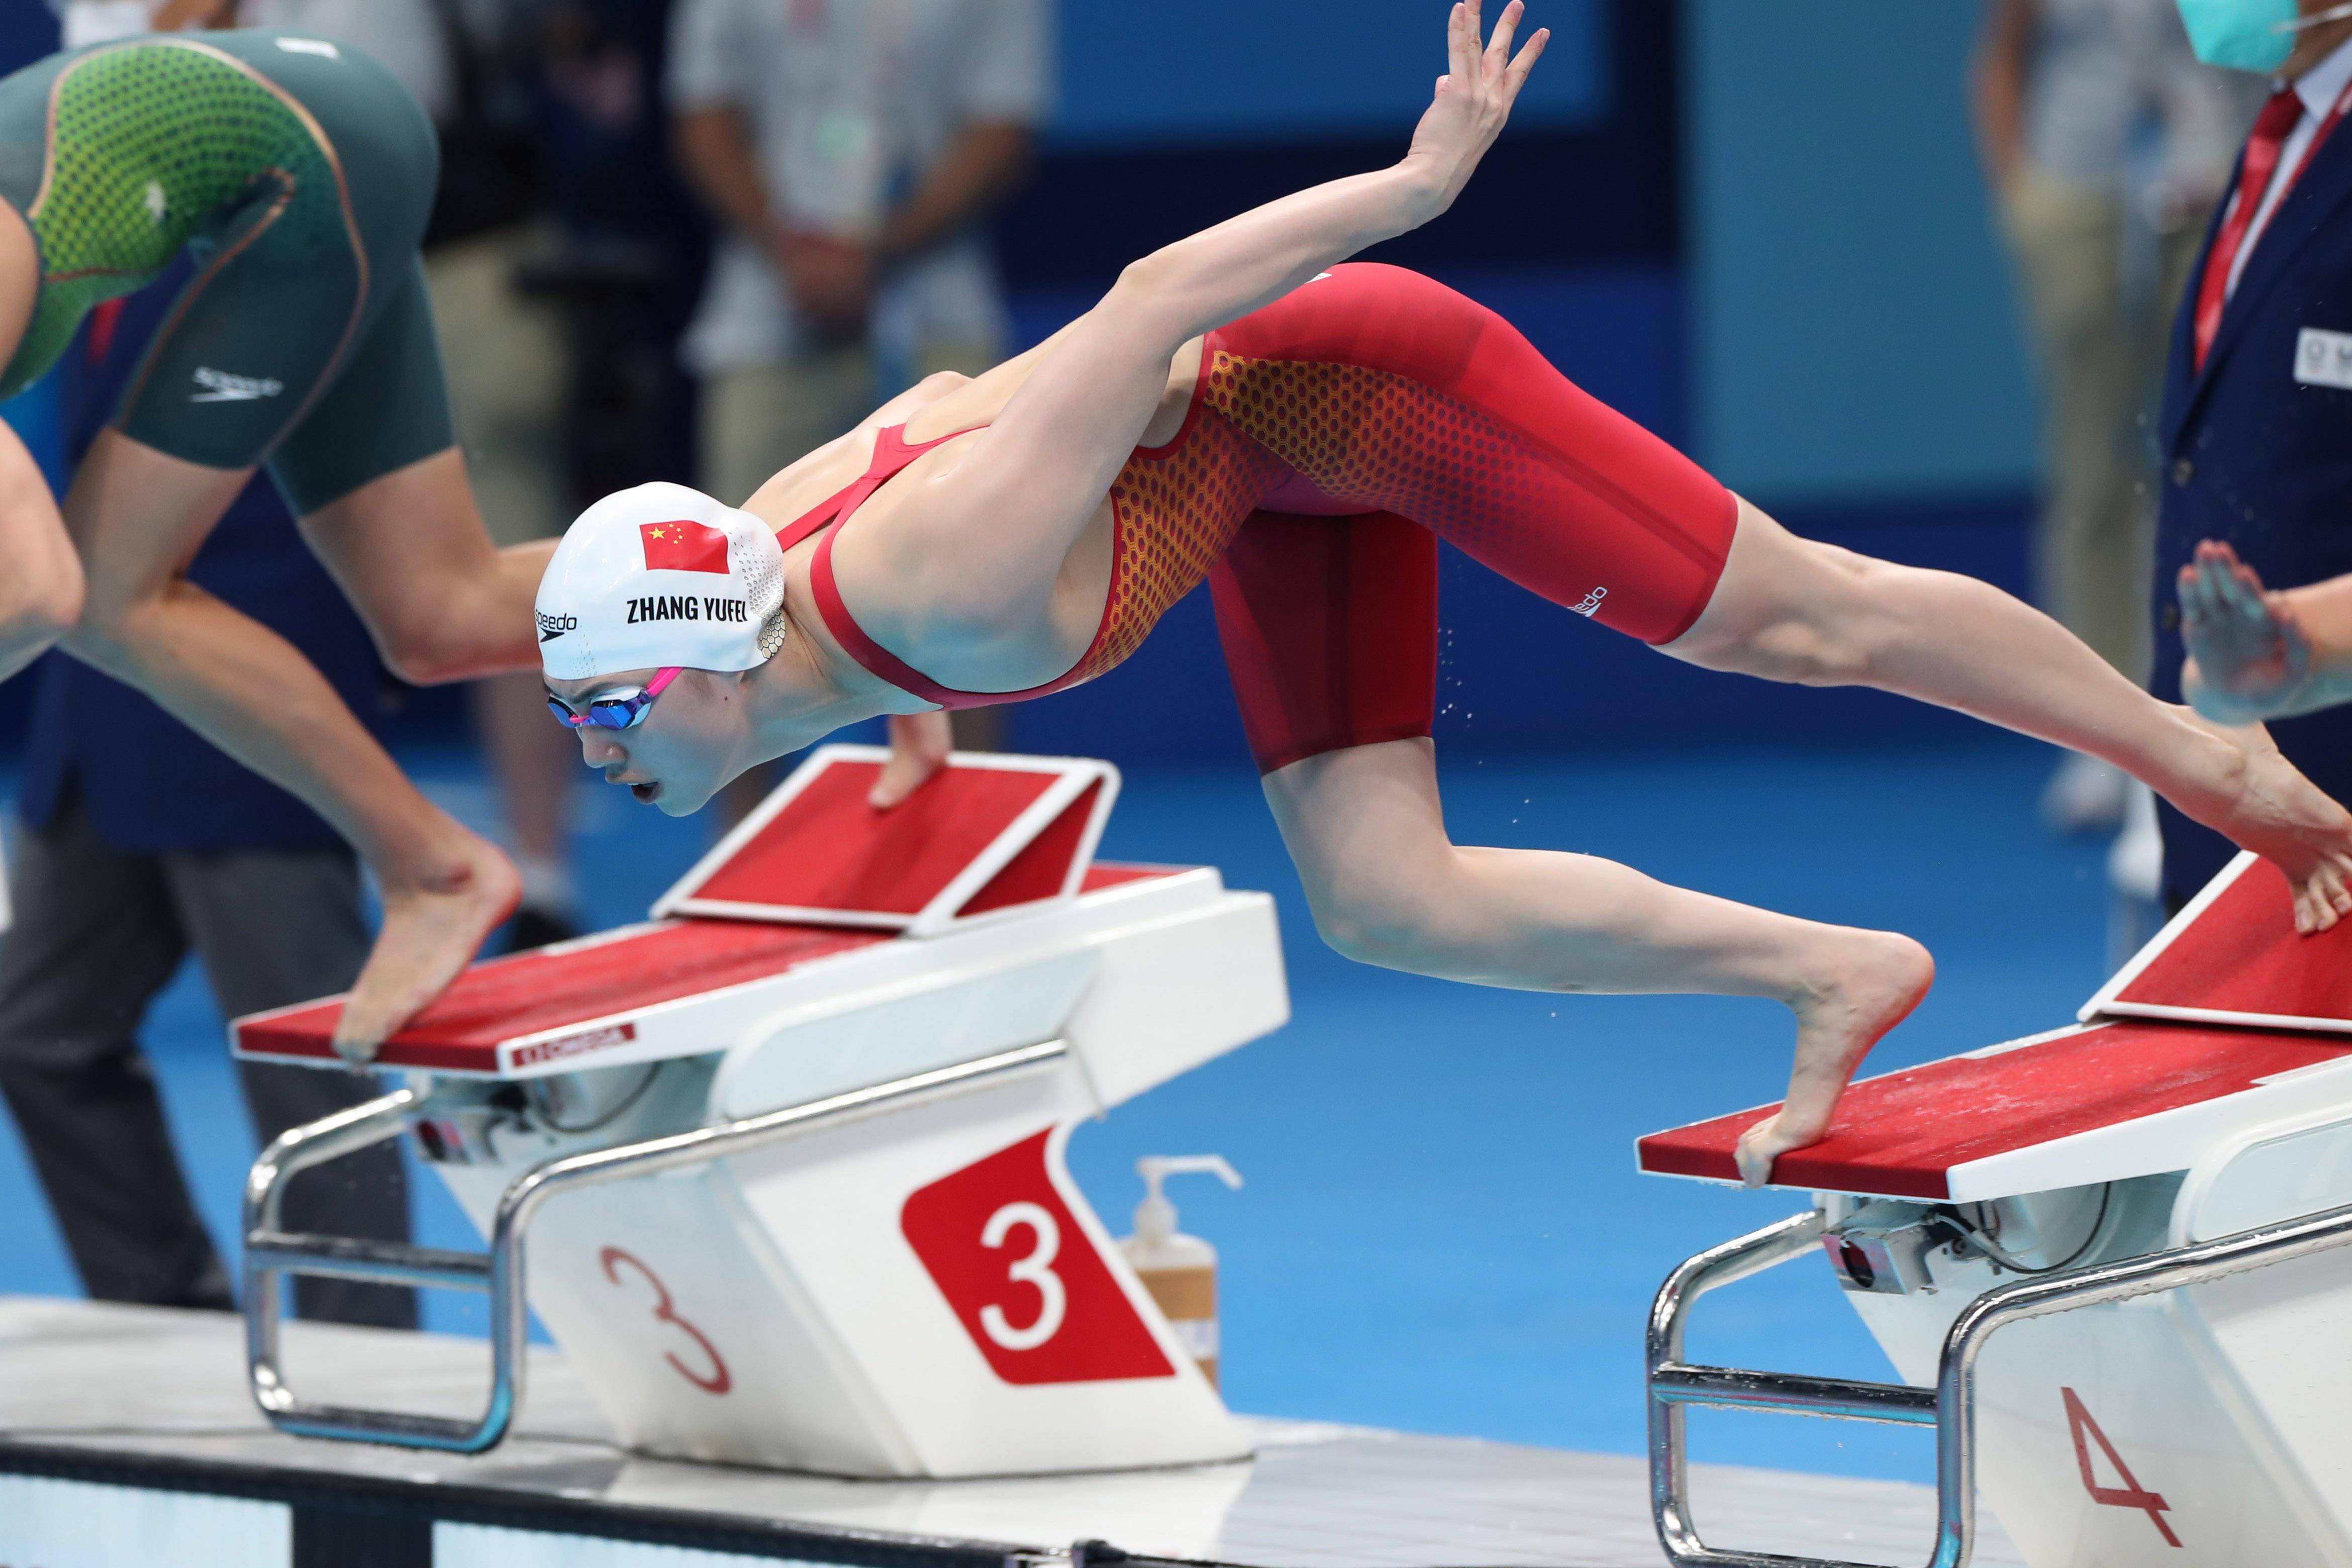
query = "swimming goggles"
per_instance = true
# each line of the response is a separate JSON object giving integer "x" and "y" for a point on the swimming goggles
{"x": 622, "y": 708}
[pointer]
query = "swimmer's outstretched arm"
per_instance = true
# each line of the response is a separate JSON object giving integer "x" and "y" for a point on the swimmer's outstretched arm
{"x": 1033, "y": 479}
{"x": 2255, "y": 653}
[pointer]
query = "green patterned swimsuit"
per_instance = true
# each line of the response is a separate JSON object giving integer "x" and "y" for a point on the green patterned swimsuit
{"x": 296, "y": 175}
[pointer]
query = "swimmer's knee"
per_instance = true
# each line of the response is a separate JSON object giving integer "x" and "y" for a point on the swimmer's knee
{"x": 1816, "y": 616}
{"x": 41, "y": 602}
{"x": 429, "y": 655}
{"x": 432, "y": 642}
{"x": 1377, "y": 915}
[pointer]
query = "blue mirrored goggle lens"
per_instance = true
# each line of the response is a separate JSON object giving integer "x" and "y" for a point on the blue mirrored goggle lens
{"x": 605, "y": 713}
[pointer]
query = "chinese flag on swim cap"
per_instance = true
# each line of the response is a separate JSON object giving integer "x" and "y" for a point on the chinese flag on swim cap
{"x": 683, "y": 546}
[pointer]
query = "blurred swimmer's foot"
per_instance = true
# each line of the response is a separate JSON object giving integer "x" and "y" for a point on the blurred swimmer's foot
{"x": 431, "y": 931}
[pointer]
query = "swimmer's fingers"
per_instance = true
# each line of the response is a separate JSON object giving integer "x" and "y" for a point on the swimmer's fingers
{"x": 1462, "y": 44}
{"x": 2324, "y": 897}
{"x": 1507, "y": 74}
{"x": 920, "y": 744}
{"x": 2294, "y": 638}
{"x": 1515, "y": 77}
{"x": 1496, "y": 57}
{"x": 2322, "y": 901}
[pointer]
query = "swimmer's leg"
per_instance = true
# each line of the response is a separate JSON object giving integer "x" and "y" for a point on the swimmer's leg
{"x": 137, "y": 517}
{"x": 410, "y": 552}
{"x": 374, "y": 472}
{"x": 1793, "y": 609}
{"x": 1389, "y": 887}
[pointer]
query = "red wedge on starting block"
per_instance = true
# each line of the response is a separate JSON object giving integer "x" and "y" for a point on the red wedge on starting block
{"x": 2232, "y": 956}
{"x": 987, "y": 835}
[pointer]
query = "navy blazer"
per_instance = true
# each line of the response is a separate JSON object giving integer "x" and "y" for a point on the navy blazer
{"x": 150, "y": 784}
{"x": 2253, "y": 454}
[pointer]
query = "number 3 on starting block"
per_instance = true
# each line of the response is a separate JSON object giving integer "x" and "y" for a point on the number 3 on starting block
{"x": 1023, "y": 1277}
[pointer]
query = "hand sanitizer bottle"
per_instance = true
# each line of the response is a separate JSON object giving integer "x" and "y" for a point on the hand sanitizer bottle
{"x": 1180, "y": 1271}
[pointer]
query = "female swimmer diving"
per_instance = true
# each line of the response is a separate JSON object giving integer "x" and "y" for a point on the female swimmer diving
{"x": 1243, "y": 408}
{"x": 298, "y": 174}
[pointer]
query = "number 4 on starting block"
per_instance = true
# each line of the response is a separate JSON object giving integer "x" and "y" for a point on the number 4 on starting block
{"x": 2131, "y": 1494}
{"x": 985, "y": 836}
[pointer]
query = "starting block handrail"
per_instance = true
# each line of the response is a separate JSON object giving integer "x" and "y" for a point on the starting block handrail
{"x": 272, "y": 1252}
{"x": 1674, "y": 1385}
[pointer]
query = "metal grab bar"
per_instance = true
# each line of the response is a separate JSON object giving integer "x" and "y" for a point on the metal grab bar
{"x": 1949, "y": 1406}
{"x": 272, "y": 1252}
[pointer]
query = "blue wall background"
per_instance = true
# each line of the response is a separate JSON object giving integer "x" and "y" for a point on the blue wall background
{"x": 1854, "y": 335}
{"x": 1242, "y": 70}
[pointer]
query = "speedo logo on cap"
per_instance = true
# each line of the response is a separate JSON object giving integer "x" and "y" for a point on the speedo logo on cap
{"x": 553, "y": 626}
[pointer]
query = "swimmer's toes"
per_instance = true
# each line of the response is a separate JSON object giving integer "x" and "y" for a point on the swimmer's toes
{"x": 428, "y": 937}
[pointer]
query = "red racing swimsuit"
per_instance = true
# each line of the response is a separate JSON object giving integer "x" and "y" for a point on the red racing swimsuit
{"x": 1334, "y": 438}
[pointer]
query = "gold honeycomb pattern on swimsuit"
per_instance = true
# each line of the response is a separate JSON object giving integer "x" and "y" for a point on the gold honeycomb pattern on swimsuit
{"x": 1372, "y": 439}
{"x": 1383, "y": 442}
{"x": 1175, "y": 515}
{"x": 154, "y": 147}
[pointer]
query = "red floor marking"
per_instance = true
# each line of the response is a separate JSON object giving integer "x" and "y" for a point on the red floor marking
{"x": 2131, "y": 1494}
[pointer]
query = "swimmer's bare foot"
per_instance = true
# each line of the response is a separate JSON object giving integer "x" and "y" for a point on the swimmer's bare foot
{"x": 1869, "y": 980}
{"x": 431, "y": 931}
{"x": 2261, "y": 801}
{"x": 919, "y": 744}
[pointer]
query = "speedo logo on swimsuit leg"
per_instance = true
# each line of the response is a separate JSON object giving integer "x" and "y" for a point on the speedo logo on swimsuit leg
{"x": 553, "y": 626}
{"x": 1589, "y": 605}
{"x": 220, "y": 387}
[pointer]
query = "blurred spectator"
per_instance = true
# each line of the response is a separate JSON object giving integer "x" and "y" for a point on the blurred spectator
{"x": 853, "y": 152}
{"x": 141, "y": 844}
{"x": 2107, "y": 144}
{"x": 852, "y": 149}
{"x": 2254, "y": 419}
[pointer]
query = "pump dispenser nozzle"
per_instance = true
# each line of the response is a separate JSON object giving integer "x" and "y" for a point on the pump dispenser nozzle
{"x": 1155, "y": 1216}
{"x": 1181, "y": 1272}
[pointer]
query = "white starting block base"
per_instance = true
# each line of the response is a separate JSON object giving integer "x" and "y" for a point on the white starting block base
{"x": 124, "y": 1419}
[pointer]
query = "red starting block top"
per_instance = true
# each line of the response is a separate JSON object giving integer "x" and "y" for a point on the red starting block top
{"x": 2232, "y": 956}
{"x": 2081, "y": 1105}
{"x": 590, "y": 1002}
{"x": 814, "y": 873}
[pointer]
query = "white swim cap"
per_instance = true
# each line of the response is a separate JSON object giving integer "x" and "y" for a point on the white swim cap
{"x": 659, "y": 575}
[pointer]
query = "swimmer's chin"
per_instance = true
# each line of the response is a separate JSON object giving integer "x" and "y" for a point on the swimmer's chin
{"x": 667, "y": 801}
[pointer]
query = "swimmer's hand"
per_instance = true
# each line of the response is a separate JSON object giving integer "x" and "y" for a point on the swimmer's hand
{"x": 2248, "y": 655}
{"x": 1474, "y": 99}
{"x": 920, "y": 744}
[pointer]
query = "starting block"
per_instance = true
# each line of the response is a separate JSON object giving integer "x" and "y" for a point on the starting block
{"x": 786, "y": 1161}
{"x": 2147, "y": 1208}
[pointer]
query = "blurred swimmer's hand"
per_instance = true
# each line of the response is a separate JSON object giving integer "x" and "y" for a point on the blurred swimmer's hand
{"x": 1474, "y": 99}
{"x": 920, "y": 744}
{"x": 2248, "y": 655}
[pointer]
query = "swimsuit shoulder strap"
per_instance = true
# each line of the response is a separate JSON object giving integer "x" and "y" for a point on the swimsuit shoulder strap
{"x": 892, "y": 452}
